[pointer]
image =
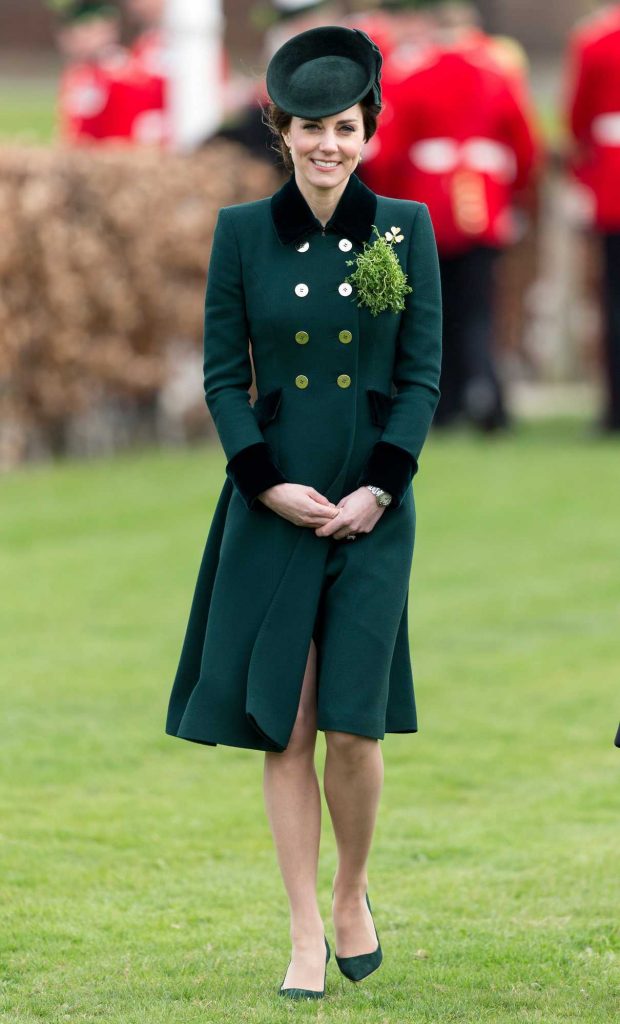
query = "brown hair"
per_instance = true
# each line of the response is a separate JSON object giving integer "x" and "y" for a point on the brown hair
{"x": 277, "y": 120}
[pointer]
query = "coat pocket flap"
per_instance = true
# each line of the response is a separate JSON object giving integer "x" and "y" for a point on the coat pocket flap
{"x": 266, "y": 406}
{"x": 380, "y": 406}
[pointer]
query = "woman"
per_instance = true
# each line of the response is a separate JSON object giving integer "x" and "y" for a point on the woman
{"x": 299, "y": 618}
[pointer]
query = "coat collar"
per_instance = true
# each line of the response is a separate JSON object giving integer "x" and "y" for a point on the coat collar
{"x": 353, "y": 217}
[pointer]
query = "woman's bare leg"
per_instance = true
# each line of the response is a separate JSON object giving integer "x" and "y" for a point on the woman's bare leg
{"x": 353, "y": 781}
{"x": 293, "y": 803}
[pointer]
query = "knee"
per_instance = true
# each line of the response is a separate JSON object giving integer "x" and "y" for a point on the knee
{"x": 349, "y": 746}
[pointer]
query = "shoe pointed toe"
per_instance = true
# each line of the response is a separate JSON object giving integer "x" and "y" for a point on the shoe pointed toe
{"x": 358, "y": 967}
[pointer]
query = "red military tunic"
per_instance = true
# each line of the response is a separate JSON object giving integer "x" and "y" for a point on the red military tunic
{"x": 592, "y": 105}
{"x": 93, "y": 103}
{"x": 466, "y": 163}
{"x": 109, "y": 100}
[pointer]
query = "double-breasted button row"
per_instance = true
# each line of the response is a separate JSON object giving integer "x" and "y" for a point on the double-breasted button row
{"x": 342, "y": 380}
{"x": 301, "y": 289}
{"x": 344, "y": 245}
{"x": 302, "y": 337}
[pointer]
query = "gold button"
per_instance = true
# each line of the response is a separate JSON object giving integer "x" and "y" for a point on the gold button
{"x": 343, "y": 380}
{"x": 301, "y": 380}
{"x": 302, "y": 337}
{"x": 345, "y": 336}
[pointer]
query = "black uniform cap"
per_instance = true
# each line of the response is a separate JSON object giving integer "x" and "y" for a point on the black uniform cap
{"x": 68, "y": 11}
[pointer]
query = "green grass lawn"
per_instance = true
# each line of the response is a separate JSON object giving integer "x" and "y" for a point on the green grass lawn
{"x": 27, "y": 110}
{"x": 139, "y": 875}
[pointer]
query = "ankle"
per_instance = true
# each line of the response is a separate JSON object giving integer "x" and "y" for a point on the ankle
{"x": 351, "y": 889}
{"x": 307, "y": 934}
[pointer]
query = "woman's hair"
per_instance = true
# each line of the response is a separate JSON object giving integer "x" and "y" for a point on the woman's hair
{"x": 277, "y": 120}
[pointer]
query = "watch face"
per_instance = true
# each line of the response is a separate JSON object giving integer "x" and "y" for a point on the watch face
{"x": 384, "y": 499}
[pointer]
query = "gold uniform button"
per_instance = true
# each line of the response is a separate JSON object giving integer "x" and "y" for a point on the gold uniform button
{"x": 343, "y": 380}
{"x": 302, "y": 337}
{"x": 345, "y": 336}
{"x": 301, "y": 380}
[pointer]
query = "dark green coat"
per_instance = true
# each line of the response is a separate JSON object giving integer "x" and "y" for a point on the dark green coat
{"x": 344, "y": 398}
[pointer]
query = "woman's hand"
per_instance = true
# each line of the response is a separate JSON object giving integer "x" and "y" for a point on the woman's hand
{"x": 359, "y": 514}
{"x": 300, "y": 504}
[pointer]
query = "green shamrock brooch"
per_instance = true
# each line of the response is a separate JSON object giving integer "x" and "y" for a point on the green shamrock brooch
{"x": 378, "y": 276}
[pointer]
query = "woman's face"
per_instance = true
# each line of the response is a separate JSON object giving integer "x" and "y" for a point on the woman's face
{"x": 326, "y": 151}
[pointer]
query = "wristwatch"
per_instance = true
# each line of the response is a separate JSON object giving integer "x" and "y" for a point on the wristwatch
{"x": 383, "y": 498}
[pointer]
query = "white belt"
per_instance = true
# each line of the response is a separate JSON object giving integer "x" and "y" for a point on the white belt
{"x": 606, "y": 129}
{"x": 487, "y": 156}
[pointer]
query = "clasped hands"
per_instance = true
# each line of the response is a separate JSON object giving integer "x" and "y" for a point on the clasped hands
{"x": 302, "y": 505}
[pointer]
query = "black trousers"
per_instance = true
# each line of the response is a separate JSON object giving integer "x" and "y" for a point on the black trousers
{"x": 611, "y": 312}
{"x": 469, "y": 384}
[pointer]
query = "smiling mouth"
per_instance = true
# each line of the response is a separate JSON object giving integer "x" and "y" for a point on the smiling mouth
{"x": 325, "y": 163}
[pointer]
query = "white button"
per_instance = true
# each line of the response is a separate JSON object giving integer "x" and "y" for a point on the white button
{"x": 345, "y": 288}
{"x": 301, "y": 290}
{"x": 344, "y": 244}
{"x": 303, "y": 247}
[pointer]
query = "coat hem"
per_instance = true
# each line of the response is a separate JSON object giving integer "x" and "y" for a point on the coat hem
{"x": 222, "y": 743}
{"x": 358, "y": 728}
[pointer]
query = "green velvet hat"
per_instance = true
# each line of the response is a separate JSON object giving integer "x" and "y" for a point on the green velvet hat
{"x": 324, "y": 70}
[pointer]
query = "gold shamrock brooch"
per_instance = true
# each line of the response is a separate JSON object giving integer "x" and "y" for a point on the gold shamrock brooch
{"x": 378, "y": 277}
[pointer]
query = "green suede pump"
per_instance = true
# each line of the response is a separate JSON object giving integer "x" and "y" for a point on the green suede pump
{"x": 307, "y": 993}
{"x": 358, "y": 967}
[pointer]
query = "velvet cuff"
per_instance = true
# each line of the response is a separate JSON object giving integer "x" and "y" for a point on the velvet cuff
{"x": 391, "y": 468}
{"x": 252, "y": 470}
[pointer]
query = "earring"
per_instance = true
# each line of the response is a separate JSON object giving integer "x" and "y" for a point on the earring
{"x": 360, "y": 159}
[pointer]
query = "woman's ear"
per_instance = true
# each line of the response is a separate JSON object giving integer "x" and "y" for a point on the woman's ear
{"x": 287, "y": 141}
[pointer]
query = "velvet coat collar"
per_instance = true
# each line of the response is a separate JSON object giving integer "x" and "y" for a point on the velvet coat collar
{"x": 353, "y": 217}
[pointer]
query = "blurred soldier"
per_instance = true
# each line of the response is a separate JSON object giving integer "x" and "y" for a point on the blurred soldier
{"x": 88, "y": 38}
{"x": 468, "y": 160}
{"x": 102, "y": 95}
{"x": 592, "y": 104}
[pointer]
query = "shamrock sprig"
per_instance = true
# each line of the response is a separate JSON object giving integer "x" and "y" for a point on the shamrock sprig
{"x": 379, "y": 278}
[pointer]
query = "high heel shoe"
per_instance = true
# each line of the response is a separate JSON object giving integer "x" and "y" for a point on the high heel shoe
{"x": 307, "y": 993}
{"x": 358, "y": 967}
